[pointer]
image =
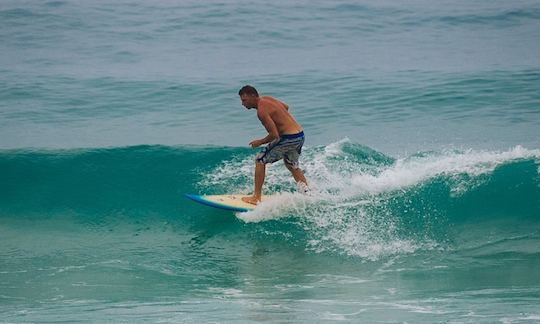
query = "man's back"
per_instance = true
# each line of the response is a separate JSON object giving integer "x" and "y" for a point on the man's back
{"x": 278, "y": 111}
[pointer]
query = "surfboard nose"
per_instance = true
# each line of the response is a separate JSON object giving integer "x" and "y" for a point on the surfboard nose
{"x": 191, "y": 196}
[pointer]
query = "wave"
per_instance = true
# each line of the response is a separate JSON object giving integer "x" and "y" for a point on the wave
{"x": 139, "y": 180}
{"x": 362, "y": 203}
{"x": 366, "y": 204}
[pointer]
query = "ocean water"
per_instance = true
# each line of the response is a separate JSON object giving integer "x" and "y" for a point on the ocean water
{"x": 422, "y": 151}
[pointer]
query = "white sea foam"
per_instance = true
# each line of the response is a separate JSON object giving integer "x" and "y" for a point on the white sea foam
{"x": 281, "y": 204}
{"x": 412, "y": 171}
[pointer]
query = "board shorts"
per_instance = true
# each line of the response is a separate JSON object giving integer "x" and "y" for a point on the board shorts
{"x": 288, "y": 147}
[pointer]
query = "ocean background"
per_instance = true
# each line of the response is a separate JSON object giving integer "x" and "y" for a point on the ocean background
{"x": 422, "y": 122}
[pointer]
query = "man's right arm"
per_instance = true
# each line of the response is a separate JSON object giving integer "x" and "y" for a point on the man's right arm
{"x": 270, "y": 126}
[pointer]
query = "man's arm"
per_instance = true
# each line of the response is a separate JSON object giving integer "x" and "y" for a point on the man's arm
{"x": 270, "y": 126}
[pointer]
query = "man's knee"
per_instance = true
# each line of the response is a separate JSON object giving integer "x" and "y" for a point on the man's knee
{"x": 290, "y": 166}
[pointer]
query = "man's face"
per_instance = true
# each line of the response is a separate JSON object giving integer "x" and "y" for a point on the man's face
{"x": 249, "y": 101}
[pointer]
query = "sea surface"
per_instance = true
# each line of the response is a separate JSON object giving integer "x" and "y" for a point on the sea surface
{"x": 422, "y": 122}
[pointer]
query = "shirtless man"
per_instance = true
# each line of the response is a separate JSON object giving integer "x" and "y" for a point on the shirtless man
{"x": 285, "y": 138}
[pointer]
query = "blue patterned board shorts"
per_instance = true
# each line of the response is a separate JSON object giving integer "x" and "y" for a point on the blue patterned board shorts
{"x": 287, "y": 147}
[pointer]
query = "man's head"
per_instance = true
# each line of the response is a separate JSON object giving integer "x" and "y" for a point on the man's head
{"x": 249, "y": 96}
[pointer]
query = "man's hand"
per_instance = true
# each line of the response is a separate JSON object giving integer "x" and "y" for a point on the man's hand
{"x": 255, "y": 143}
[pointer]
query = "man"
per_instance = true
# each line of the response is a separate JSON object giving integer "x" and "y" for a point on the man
{"x": 285, "y": 138}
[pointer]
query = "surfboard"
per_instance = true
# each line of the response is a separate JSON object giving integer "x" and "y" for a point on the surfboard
{"x": 227, "y": 202}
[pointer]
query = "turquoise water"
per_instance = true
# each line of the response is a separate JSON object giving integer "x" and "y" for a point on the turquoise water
{"x": 423, "y": 152}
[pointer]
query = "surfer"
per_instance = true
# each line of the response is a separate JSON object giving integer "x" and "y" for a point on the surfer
{"x": 285, "y": 138}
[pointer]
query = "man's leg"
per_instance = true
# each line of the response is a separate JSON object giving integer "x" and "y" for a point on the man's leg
{"x": 260, "y": 172}
{"x": 297, "y": 174}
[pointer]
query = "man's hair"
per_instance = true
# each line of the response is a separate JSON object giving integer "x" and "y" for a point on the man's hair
{"x": 248, "y": 90}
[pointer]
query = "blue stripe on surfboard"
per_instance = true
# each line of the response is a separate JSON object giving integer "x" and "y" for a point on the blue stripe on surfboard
{"x": 200, "y": 199}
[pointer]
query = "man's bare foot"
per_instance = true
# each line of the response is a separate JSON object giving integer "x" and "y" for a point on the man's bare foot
{"x": 251, "y": 200}
{"x": 302, "y": 187}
